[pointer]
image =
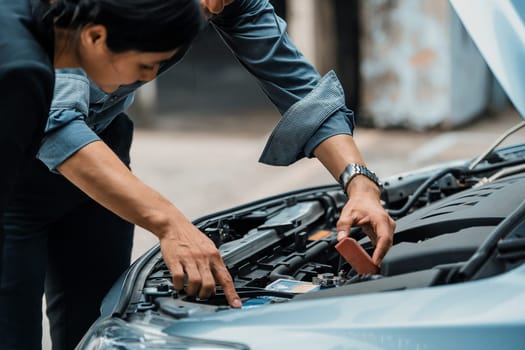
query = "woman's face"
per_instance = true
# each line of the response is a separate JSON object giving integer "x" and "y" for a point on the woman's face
{"x": 129, "y": 67}
{"x": 109, "y": 70}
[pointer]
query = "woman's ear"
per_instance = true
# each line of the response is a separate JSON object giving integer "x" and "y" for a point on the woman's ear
{"x": 93, "y": 37}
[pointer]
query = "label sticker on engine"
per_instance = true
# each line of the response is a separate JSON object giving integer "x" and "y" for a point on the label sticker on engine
{"x": 320, "y": 235}
{"x": 290, "y": 286}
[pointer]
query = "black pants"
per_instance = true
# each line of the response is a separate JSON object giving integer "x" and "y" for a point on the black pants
{"x": 60, "y": 242}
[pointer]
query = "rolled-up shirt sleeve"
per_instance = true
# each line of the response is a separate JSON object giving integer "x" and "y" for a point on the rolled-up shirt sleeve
{"x": 308, "y": 122}
{"x": 66, "y": 130}
{"x": 312, "y": 107}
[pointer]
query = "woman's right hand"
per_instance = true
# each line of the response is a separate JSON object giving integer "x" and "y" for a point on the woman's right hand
{"x": 188, "y": 252}
{"x": 99, "y": 173}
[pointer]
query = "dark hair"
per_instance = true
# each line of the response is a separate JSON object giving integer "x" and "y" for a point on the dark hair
{"x": 142, "y": 25}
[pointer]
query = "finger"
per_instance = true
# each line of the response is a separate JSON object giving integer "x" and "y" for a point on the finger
{"x": 194, "y": 279}
{"x": 177, "y": 275}
{"x": 207, "y": 284}
{"x": 214, "y": 6}
{"x": 342, "y": 234}
{"x": 384, "y": 242}
{"x": 225, "y": 280}
{"x": 343, "y": 226}
{"x": 369, "y": 231}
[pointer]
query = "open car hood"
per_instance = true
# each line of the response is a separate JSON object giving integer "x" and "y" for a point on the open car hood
{"x": 498, "y": 29}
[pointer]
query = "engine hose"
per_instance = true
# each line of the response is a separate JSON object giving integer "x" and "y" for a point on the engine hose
{"x": 477, "y": 260}
{"x": 423, "y": 187}
{"x": 297, "y": 261}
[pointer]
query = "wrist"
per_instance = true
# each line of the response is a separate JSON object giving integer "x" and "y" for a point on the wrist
{"x": 362, "y": 186}
{"x": 166, "y": 222}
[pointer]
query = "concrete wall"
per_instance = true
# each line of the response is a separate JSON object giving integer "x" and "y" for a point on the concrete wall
{"x": 311, "y": 27}
{"x": 419, "y": 67}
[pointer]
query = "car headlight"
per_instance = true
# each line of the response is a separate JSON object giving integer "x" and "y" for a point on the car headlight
{"x": 115, "y": 334}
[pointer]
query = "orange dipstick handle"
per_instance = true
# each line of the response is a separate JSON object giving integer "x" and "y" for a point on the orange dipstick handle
{"x": 356, "y": 256}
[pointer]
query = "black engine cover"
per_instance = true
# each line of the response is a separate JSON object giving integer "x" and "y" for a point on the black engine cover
{"x": 451, "y": 230}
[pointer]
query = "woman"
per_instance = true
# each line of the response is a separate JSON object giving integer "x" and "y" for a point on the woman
{"x": 87, "y": 141}
{"x": 114, "y": 42}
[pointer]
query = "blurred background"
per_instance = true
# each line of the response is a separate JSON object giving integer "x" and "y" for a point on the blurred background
{"x": 403, "y": 63}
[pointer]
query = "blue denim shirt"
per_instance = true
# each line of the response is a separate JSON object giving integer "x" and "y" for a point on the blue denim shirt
{"x": 312, "y": 107}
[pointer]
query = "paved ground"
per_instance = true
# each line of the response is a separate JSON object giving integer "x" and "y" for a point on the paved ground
{"x": 211, "y": 164}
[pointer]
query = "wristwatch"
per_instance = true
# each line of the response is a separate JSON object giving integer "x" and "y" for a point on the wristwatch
{"x": 352, "y": 170}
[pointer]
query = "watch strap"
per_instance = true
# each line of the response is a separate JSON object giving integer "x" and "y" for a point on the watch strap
{"x": 353, "y": 170}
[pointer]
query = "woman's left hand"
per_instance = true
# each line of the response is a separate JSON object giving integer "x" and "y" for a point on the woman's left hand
{"x": 364, "y": 209}
{"x": 215, "y": 6}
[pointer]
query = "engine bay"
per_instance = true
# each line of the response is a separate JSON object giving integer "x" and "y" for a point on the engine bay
{"x": 282, "y": 249}
{"x": 286, "y": 251}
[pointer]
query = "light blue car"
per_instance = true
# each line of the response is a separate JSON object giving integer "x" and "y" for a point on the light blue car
{"x": 454, "y": 279}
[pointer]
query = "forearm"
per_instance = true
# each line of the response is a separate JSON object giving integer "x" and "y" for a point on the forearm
{"x": 98, "y": 172}
{"x": 258, "y": 39}
{"x": 187, "y": 252}
{"x": 338, "y": 151}
{"x": 335, "y": 153}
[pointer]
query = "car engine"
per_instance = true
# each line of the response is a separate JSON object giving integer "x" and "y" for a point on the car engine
{"x": 282, "y": 249}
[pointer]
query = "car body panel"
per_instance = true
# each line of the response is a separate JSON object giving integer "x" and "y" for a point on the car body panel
{"x": 498, "y": 29}
{"x": 483, "y": 315}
